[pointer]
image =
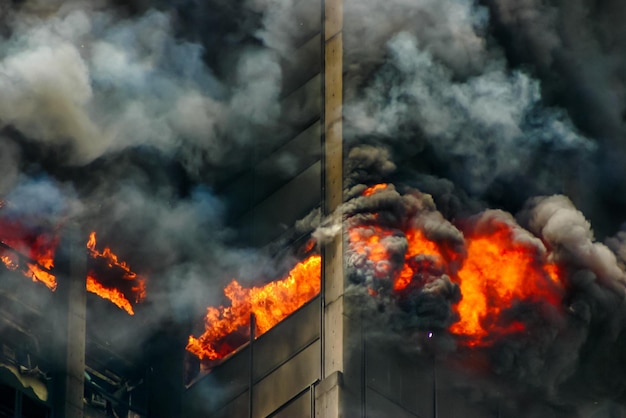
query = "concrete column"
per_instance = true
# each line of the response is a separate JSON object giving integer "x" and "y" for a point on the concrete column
{"x": 329, "y": 392}
{"x": 333, "y": 187}
{"x": 71, "y": 324}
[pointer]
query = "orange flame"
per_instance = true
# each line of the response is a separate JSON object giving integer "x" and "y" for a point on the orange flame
{"x": 498, "y": 272}
{"x": 109, "y": 256}
{"x": 370, "y": 242}
{"x": 374, "y": 189}
{"x": 270, "y": 304}
{"x": 41, "y": 254}
{"x": 114, "y": 295}
{"x": 41, "y": 275}
{"x": 33, "y": 253}
{"x": 418, "y": 245}
{"x": 9, "y": 262}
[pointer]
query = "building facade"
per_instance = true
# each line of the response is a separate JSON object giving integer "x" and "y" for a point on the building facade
{"x": 64, "y": 360}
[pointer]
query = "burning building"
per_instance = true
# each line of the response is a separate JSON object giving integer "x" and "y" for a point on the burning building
{"x": 386, "y": 182}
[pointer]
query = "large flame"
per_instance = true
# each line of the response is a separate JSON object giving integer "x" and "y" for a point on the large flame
{"x": 270, "y": 304}
{"x": 498, "y": 272}
{"x": 137, "y": 288}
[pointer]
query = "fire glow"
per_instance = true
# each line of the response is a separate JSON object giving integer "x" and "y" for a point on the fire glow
{"x": 113, "y": 294}
{"x": 368, "y": 240}
{"x": 32, "y": 253}
{"x": 496, "y": 273}
{"x": 270, "y": 304}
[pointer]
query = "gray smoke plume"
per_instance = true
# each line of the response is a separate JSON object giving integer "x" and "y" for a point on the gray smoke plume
{"x": 565, "y": 348}
{"x": 564, "y": 228}
{"x": 100, "y": 86}
{"x": 123, "y": 119}
{"x": 492, "y": 125}
{"x": 488, "y": 104}
{"x": 576, "y": 48}
{"x": 126, "y": 118}
{"x": 9, "y": 163}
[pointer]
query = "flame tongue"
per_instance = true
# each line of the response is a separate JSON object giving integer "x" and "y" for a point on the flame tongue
{"x": 134, "y": 284}
{"x": 111, "y": 259}
{"x": 33, "y": 253}
{"x": 112, "y": 294}
{"x": 270, "y": 304}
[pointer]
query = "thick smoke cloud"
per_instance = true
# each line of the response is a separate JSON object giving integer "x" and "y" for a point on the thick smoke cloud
{"x": 9, "y": 163}
{"x": 488, "y": 104}
{"x": 563, "y": 227}
{"x": 577, "y": 50}
{"x": 544, "y": 78}
{"x": 486, "y": 121}
{"x": 100, "y": 86}
{"x": 124, "y": 118}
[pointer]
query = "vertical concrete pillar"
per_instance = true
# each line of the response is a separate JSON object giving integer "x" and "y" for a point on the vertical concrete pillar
{"x": 71, "y": 274}
{"x": 333, "y": 184}
{"x": 329, "y": 393}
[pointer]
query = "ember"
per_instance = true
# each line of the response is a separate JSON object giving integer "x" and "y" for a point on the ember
{"x": 270, "y": 304}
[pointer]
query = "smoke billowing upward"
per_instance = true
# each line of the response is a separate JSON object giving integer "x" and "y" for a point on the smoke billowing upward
{"x": 130, "y": 117}
{"x": 126, "y": 117}
{"x": 536, "y": 298}
{"x": 485, "y": 105}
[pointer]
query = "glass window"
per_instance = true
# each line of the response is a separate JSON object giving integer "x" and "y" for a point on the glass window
{"x": 7, "y": 401}
{"x": 33, "y": 409}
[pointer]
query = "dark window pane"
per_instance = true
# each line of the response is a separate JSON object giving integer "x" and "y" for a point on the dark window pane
{"x": 7, "y": 401}
{"x": 33, "y": 409}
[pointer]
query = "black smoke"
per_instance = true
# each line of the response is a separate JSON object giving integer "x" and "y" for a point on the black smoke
{"x": 130, "y": 118}
{"x": 517, "y": 106}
